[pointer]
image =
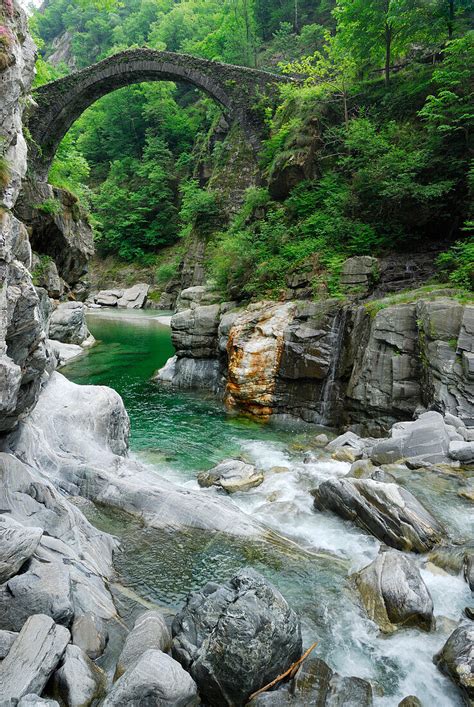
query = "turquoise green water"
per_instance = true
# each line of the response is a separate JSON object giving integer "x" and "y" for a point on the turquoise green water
{"x": 188, "y": 431}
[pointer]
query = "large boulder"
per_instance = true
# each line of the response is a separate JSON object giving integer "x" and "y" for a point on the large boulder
{"x": 150, "y": 632}
{"x": 154, "y": 679}
{"x": 45, "y": 274}
{"x": 107, "y": 298}
{"x": 191, "y": 373}
{"x": 232, "y": 475}
{"x": 194, "y": 331}
{"x": 78, "y": 682}
{"x": 236, "y": 638}
{"x": 427, "y": 439}
{"x": 386, "y": 510}
{"x": 394, "y": 593}
{"x": 7, "y": 639}
{"x": 316, "y": 684}
{"x": 17, "y": 545}
{"x": 68, "y": 323}
{"x": 90, "y": 634}
{"x": 135, "y": 297}
{"x": 456, "y": 659}
{"x": 33, "y": 657}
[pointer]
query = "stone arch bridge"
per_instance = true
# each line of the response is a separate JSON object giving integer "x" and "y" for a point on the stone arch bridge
{"x": 239, "y": 91}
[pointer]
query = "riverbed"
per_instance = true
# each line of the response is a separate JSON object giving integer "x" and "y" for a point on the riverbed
{"x": 311, "y": 555}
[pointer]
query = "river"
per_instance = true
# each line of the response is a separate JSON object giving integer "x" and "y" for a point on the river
{"x": 312, "y": 555}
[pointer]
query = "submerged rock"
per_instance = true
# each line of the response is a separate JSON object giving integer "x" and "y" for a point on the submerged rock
{"x": 386, "y": 510}
{"x": 456, "y": 659}
{"x": 394, "y": 593}
{"x": 316, "y": 684}
{"x": 149, "y": 633}
{"x": 32, "y": 658}
{"x": 78, "y": 682}
{"x": 235, "y": 638}
{"x": 154, "y": 679}
{"x": 232, "y": 475}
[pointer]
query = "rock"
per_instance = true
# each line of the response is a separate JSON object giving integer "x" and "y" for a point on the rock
{"x": 321, "y": 440}
{"x": 45, "y": 274}
{"x": 154, "y": 679}
{"x": 346, "y": 454}
{"x": 469, "y": 612}
{"x": 394, "y": 594}
{"x": 68, "y": 323}
{"x": 194, "y": 331}
{"x": 456, "y": 659}
{"x": 64, "y": 353}
{"x": 362, "y": 469}
{"x": 316, "y": 684}
{"x": 462, "y": 451}
{"x": 196, "y": 296}
{"x": 32, "y": 700}
{"x": 7, "y": 639}
{"x": 359, "y": 274}
{"x": 386, "y": 510}
{"x": 33, "y": 657}
{"x": 78, "y": 682}
{"x": 150, "y": 632}
{"x": 235, "y": 638}
{"x": 191, "y": 373}
{"x": 232, "y": 475}
{"x": 17, "y": 545}
{"x": 90, "y": 634}
{"x": 64, "y": 233}
{"x": 348, "y": 439}
{"x": 410, "y": 701}
{"x": 135, "y": 297}
{"x": 426, "y": 439}
{"x": 468, "y": 568}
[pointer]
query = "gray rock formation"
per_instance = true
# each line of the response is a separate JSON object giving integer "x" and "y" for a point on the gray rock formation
{"x": 150, "y": 632}
{"x": 154, "y": 679}
{"x": 235, "y": 638}
{"x": 394, "y": 593}
{"x": 33, "y": 700}
{"x": 456, "y": 659}
{"x": 426, "y": 440}
{"x": 78, "y": 435}
{"x": 316, "y": 684}
{"x": 71, "y": 561}
{"x": 68, "y": 323}
{"x": 7, "y": 639}
{"x": 45, "y": 274}
{"x": 17, "y": 544}
{"x": 386, "y": 510}
{"x": 135, "y": 297}
{"x": 32, "y": 658}
{"x": 78, "y": 682}
{"x": 59, "y": 228}
{"x": 191, "y": 373}
{"x": 359, "y": 274}
{"x": 232, "y": 475}
{"x": 90, "y": 634}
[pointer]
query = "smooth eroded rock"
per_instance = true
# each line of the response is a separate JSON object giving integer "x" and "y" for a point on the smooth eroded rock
{"x": 394, "y": 594}
{"x": 456, "y": 659}
{"x": 232, "y": 475}
{"x": 68, "y": 323}
{"x": 17, "y": 545}
{"x": 33, "y": 657}
{"x": 154, "y": 680}
{"x": 385, "y": 510}
{"x": 90, "y": 634}
{"x": 150, "y": 632}
{"x": 236, "y": 637}
{"x": 78, "y": 682}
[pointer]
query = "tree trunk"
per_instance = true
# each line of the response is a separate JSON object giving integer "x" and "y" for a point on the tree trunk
{"x": 388, "y": 49}
{"x": 451, "y": 19}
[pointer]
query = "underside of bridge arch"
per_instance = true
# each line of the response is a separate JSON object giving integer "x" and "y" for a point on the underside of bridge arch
{"x": 238, "y": 90}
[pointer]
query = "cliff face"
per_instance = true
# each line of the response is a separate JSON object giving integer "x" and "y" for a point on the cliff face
{"x": 332, "y": 362}
{"x": 23, "y": 353}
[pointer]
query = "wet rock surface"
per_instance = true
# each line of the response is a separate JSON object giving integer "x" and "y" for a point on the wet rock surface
{"x": 150, "y": 632}
{"x": 394, "y": 594}
{"x": 235, "y": 638}
{"x": 78, "y": 681}
{"x": 456, "y": 659}
{"x": 386, "y": 510}
{"x": 232, "y": 475}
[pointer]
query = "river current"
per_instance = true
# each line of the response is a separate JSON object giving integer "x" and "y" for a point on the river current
{"x": 310, "y": 555}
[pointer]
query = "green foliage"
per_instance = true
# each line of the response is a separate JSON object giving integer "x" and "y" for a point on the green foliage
{"x": 199, "y": 208}
{"x": 4, "y": 172}
{"x": 457, "y": 263}
{"x": 40, "y": 270}
{"x": 165, "y": 272}
{"x": 50, "y": 206}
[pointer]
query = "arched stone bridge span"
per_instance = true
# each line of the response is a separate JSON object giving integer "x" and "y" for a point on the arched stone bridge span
{"x": 237, "y": 89}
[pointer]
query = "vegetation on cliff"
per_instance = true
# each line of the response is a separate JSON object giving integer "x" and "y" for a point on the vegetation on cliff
{"x": 371, "y": 152}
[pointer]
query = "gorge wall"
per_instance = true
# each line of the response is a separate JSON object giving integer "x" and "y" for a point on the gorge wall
{"x": 366, "y": 365}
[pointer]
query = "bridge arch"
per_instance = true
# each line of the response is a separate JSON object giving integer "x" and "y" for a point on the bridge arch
{"x": 58, "y": 104}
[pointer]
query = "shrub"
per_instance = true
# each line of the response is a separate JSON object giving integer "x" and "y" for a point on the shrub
{"x": 50, "y": 206}
{"x": 198, "y": 208}
{"x": 457, "y": 263}
{"x": 165, "y": 272}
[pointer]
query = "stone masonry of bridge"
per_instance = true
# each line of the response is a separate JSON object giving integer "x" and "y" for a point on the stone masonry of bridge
{"x": 239, "y": 90}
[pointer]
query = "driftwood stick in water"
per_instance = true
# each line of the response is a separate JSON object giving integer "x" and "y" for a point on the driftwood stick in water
{"x": 290, "y": 672}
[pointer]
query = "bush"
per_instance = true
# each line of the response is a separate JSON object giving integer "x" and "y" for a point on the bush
{"x": 50, "y": 206}
{"x": 165, "y": 272}
{"x": 198, "y": 210}
{"x": 457, "y": 263}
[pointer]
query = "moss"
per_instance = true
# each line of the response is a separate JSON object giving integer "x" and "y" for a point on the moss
{"x": 49, "y": 206}
{"x": 4, "y": 172}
